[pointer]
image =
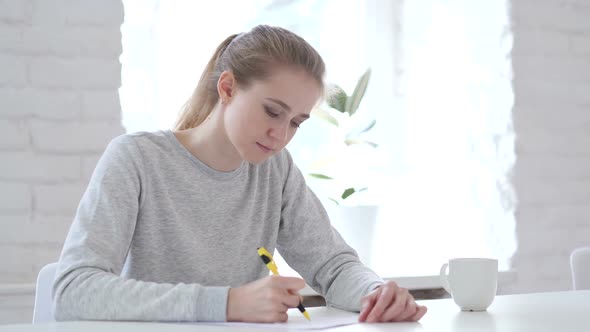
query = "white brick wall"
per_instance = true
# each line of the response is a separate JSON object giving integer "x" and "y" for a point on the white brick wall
{"x": 551, "y": 62}
{"x": 59, "y": 107}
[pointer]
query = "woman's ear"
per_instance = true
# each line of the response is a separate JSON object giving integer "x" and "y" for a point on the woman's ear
{"x": 225, "y": 86}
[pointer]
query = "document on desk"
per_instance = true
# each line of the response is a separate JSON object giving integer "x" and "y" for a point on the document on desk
{"x": 320, "y": 319}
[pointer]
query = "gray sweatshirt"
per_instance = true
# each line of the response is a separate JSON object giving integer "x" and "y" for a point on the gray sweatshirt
{"x": 160, "y": 236}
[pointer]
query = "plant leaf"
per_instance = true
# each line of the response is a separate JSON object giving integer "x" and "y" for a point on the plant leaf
{"x": 351, "y": 141}
{"x": 320, "y": 176}
{"x": 352, "y": 103}
{"x": 351, "y": 191}
{"x": 338, "y": 99}
{"x": 333, "y": 200}
{"x": 347, "y": 193}
{"x": 369, "y": 127}
{"x": 324, "y": 115}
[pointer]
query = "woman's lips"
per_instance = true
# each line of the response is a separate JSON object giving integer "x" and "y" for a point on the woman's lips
{"x": 264, "y": 148}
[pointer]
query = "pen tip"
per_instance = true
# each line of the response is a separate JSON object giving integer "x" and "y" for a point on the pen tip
{"x": 307, "y": 316}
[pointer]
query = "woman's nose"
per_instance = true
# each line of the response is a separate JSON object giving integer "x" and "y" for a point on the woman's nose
{"x": 279, "y": 132}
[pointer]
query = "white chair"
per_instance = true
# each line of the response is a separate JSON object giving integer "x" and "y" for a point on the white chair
{"x": 580, "y": 264}
{"x": 43, "y": 311}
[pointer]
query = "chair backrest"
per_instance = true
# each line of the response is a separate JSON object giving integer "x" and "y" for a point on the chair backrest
{"x": 43, "y": 303}
{"x": 580, "y": 264}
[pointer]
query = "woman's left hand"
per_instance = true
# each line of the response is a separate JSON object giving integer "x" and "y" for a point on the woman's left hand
{"x": 390, "y": 303}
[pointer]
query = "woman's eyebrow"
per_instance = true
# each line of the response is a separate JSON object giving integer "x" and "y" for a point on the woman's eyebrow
{"x": 285, "y": 106}
{"x": 280, "y": 103}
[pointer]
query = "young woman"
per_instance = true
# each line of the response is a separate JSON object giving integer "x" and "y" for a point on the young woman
{"x": 168, "y": 227}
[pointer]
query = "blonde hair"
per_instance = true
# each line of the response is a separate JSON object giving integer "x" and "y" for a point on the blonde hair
{"x": 250, "y": 56}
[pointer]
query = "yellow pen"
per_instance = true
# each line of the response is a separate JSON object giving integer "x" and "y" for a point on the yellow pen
{"x": 270, "y": 264}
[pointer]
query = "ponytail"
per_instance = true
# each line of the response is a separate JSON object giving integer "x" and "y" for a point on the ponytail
{"x": 205, "y": 96}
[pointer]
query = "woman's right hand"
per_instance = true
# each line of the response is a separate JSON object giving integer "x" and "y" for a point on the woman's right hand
{"x": 265, "y": 300}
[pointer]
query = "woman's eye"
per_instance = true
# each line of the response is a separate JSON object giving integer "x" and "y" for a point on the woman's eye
{"x": 295, "y": 124}
{"x": 270, "y": 112}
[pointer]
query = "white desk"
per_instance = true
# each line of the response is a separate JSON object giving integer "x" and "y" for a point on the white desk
{"x": 561, "y": 311}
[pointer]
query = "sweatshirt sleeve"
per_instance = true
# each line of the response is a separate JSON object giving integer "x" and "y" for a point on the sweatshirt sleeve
{"x": 316, "y": 250}
{"x": 88, "y": 285}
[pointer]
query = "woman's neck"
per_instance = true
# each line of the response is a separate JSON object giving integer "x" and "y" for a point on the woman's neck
{"x": 209, "y": 143}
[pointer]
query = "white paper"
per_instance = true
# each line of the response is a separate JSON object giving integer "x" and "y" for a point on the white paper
{"x": 321, "y": 318}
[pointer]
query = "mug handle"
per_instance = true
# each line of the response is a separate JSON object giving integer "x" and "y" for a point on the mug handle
{"x": 443, "y": 277}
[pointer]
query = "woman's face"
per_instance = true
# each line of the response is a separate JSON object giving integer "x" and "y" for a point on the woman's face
{"x": 261, "y": 119}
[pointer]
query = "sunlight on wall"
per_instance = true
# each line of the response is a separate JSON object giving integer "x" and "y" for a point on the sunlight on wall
{"x": 450, "y": 196}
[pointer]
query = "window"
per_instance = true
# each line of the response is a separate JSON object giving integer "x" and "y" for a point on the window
{"x": 440, "y": 93}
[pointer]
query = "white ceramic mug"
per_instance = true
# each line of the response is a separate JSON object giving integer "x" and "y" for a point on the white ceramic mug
{"x": 472, "y": 282}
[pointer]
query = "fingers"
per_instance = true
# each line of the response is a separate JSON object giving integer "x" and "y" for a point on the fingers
{"x": 289, "y": 283}
{"x": 367, "y": 304}
{"x": 264, "y": 300}
{"x": 390, "y": 303}
{"x": 286, "y": 290}
{"x": 282, "y": 299}
{"x": 299, "y": 296}
{"x": 277, "y": 317}
{"x": 407, "y": 310}
{"x": 398, "y": 311}
{"x": 282, "y": 317}
{"x": 291, "y": 300}
{"x": 419, "y": 314}
{"x": 384, "y": 300}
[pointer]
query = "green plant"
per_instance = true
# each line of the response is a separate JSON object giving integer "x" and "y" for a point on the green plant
{"x": 346, "y": 105}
